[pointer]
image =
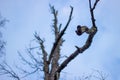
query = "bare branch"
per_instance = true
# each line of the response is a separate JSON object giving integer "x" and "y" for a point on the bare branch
{"x": 27, "y": 73}
{"x": 37, "y": 62}
{"x": 95, "y": 4}
{"x": 30, "y": 73}
{"x": 35, "y": 65}
{"x": 45, "y": 62}
{"x": 87, "y": 43}
{"x": 60, "y": 36}
{"x": 101, "y": 75}
{"x": 26, "y": 61}
{"x": 55, "y": 20}
{"x": 6, "y": 69}
{"x": 41, "y": 42}
{"x": 59, "y": 27}
{"x": 91, "y": 11}
{"x": 90, "y": 6}
{"x": 79, "y": 50}
{"x": 2, "y": 42}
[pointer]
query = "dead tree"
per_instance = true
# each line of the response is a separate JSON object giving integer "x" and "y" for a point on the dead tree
{"x": 52, "y": 60}
{"x": 49, "y": 63}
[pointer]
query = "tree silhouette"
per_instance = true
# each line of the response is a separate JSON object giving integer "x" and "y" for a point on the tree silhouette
{"x": 48, "y": 63}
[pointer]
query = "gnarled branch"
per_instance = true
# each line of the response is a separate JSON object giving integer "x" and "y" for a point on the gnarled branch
{"x": 87, "y": 43}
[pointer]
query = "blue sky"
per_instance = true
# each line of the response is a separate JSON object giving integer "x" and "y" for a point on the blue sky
{"x": 28, "y": 16}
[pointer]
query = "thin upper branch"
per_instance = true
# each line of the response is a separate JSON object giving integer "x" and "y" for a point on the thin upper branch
{"x": 30, "y": 73}
{"x": 95, "y": 4}
{"x": 26, "y": 61}
{"x": 55, "y": 20}
{"x": 44, "y": 53}
{"x": 41, "y": 42}
{"x": 91, "y": 11}
{"x": 60, "y": 35}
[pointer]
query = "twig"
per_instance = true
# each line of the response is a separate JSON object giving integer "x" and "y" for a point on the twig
{"x": 6, "y": 69}
{"x": 29, "y": 73}
{"x": 55, "y": 21}
{"x": 41, "y": 42}
{"x": 95, "y": 4}
{"x": 92, "y": 13}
